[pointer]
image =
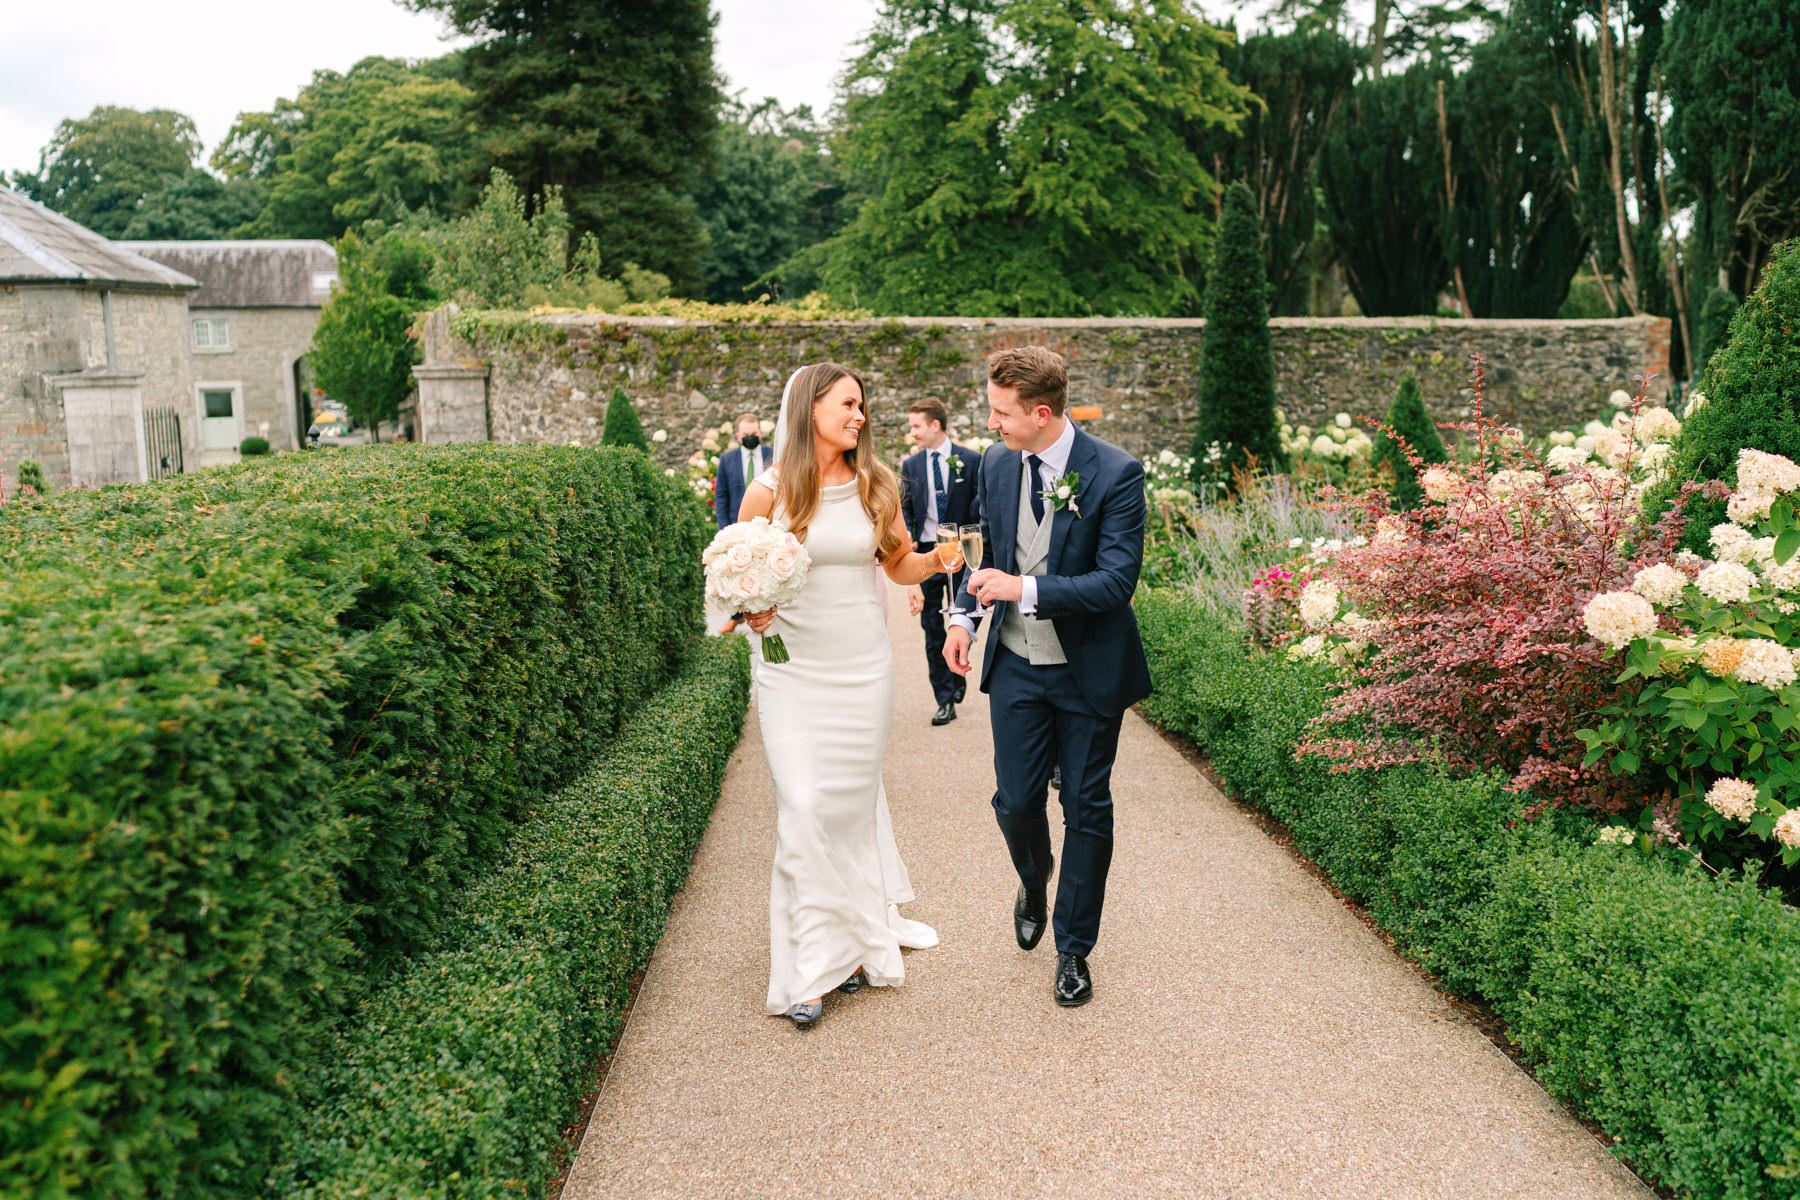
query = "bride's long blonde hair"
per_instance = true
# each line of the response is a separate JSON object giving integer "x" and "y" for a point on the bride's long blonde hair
{"x": 798, "y": 489}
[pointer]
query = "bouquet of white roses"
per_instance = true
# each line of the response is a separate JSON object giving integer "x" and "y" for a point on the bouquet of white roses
{"x": 754, "y": 566}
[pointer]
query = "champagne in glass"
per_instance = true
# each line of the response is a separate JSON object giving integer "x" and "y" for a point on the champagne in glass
{"x": 971, "y": 549}
{"x": 948, "y": 546}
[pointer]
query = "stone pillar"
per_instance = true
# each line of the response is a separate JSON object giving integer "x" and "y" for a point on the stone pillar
{"x": 453, "y": 405}
{"x": 104, "y": 411}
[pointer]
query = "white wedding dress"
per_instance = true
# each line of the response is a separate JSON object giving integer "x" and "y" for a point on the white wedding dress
{"x": 838, "y": 877}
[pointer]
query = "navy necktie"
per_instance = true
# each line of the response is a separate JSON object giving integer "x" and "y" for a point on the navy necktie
{"x": 937, "y": 485}
{"x": 1036, "y": 484}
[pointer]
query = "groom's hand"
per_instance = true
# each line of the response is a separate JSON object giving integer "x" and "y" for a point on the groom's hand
{"x": 956, "y": 649}
{"x": 990, "y": 585}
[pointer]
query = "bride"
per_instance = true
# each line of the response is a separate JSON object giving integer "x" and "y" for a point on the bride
{"x": 838, "y": 878}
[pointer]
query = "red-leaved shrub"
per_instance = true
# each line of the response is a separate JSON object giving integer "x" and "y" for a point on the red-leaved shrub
{"x": 1477, "y": 654}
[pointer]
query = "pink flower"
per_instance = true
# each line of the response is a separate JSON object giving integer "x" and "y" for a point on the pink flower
{"x": 744, "y": 587}
{"x": 739, "y": 557}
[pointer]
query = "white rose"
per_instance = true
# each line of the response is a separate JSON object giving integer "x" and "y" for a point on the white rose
{"x": 744, "y": 587}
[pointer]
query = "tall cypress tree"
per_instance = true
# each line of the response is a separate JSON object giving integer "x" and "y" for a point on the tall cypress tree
{"x": 1237, "y": 364}
{"x": 614, "y": 103}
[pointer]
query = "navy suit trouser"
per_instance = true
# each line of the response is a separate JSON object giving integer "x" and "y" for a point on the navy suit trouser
{"x": 1039, "y": 719}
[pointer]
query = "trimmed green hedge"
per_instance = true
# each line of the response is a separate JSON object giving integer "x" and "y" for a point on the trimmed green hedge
{"x": 256, "y": 726}
{"x": 458, "y": 1077}
{"x": 1658, "y": 999}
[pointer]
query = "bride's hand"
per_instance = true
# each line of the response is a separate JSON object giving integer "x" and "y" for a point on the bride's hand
{"x": 761, "y": 621}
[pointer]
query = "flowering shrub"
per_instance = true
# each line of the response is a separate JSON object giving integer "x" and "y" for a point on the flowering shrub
{"x": 1461, "y": 623}
{"x": 1715, "y": 718}
{"x": 1337, "y": 453}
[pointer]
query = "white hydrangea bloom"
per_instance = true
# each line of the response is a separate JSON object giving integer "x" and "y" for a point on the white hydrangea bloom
{"x": 1655, "y": 456}
{"x": 1439, "y": 483}
{"x": 1618, "y": 835}
{"x": 1760, "y": 471}
{"x": 1660, "y": 584}
{"x": 1612, "y": 446}
{"x": 1750, "y": 505}
{"x": 1787, "y": 827}
{"x": 1565, "y": 457}
{"x": 1562, "y": 437}
{"x": 1616, "y": 618}
{"x": 1324, "y": 447}
{"x": 1730, "y": 542}
{"x": 1587, "y": 442}
{"x": 1595, "y": 428}
{"x": 1695, "y": 403}
{"x": 1765, "y": 662}
{"x": 1687, "y": 560}
{"x": 1342, "y": 421}
{"x": 1726, "y": 582}
{"x": 1506, "y": 482}
{"x": 1734, "y": 798}
{"x": 1319, "y": 603}
{"x": 1656, "y": 424}
{"x": 1783, "y": 577}
{"x": 1620, "y": 398}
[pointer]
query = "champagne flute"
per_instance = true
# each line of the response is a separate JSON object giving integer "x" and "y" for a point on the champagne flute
{"x": 949, "y": 545}
{"x": 971, "y": 550}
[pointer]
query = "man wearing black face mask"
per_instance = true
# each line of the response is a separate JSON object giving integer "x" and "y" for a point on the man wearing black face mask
{"x": 738, "y": 468}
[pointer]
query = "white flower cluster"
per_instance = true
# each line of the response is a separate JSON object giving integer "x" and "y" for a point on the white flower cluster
{"x": 1617, "y": 618}
{"x": 1762, "y": 478}
{"x": 1167, "y": 475}
{"x": 1440, "y": 484}
{"x": 1340, "y": 441}
{"x": 1734, "y": 798}
{"x": 1661, "y": 584}
{"x": 1618, "y": 835}
{"x": 1319, "y": 602}
{"x": 754, "y": 566}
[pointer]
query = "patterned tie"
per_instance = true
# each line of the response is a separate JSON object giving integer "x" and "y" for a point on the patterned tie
{"x": 937, "y": 486}
{"x": 1036, "y": 484}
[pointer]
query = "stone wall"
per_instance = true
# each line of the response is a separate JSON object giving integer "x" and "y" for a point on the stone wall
{"x": 551, "y": 377}
{"x": 265, "y": 344}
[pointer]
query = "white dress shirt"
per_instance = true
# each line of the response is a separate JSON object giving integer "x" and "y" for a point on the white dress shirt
{"x": 1054, "y": 464}
{"x": 928, "y": 531}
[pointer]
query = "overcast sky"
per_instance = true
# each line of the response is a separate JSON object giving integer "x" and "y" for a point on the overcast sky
{"x": 213, "y": 59}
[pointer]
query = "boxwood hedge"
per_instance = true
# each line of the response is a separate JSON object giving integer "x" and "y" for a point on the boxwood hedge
{"x": 456, "y": 1078}
{"x": 256, "y": 725}
{"x": 1656, "y": 998}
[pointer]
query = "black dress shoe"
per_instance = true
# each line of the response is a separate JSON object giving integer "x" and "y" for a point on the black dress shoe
{"x": 946, "y": 713}
{"x": 854, "y": 984}
{"x": 1031, "y": 913}
{"x": 1072, "y": 986}
{"x": 1056, "y": 777}
{"x": 962, "y": 689}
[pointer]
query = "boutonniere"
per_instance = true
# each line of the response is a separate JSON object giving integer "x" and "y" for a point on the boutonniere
{"x": 1061, "y": 494}
{"x": 956, "y": 467}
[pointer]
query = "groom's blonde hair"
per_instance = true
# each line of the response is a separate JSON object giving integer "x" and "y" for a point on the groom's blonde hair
{"x": 1036, "y": 372}
{"x": 797, "y": 491}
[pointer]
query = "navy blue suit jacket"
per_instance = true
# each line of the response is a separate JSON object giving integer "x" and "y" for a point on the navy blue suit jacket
{"x": 729, "y": 485}
{"x": 1092, "y": 571}
{"x": 915, "y": 491}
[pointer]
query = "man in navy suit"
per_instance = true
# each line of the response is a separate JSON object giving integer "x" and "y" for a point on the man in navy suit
{"x": 940, "y": 485}
{"x": 738, "y": 468}
{"x": 1063, "y": 544}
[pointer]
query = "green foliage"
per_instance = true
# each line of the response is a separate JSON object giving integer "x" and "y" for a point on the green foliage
{"x": 467, "y": 1066}
{"x": 616, "y": 104}
{"x": 1299, "y": 80}
{"x": 31, "y": 475}
{"x": 1715, "y": 327}
{"x": 259, "y": 723}
{"x": 1237, "y": 363}
{"x": 1653, "y": 997}
{"x": 773, "y": 191}
{"x": 385, "y": 138}
{"x": 622, "y": 425}
{"x": 363, "y": 352}
{"x": 197, "y": 208}
{"x": 1731, "y": 68}
{"x": 252, "y": 446}
{"x": 98, "y": 169}
{"x": 1752, "y": 389}
{"x": 1381, "y": 173}
{"x": 1407, "y": 417}
{"x": 1029, "y": 157}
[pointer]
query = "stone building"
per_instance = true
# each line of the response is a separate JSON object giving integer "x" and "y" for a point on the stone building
{"x": 95, "y": 371}
{"x": 249, "y": 327}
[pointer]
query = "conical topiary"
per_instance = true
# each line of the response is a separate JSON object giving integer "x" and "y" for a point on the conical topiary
{"x": 1752, "y": 389}
{"x": 1237, "y": 365}
{"x": 1407, "y": 417}
{"x": 622, "y": 425}
{"x": 31, "y": 475}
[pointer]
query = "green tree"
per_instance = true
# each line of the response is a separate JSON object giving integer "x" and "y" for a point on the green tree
{"x": 1237, "y": 363}
{"x": 1733, "y": 77}
{"x": 1029, "y": 156}
{"x": 198, "y": 208}
{"x": 385, "y": 138}
{"x": 1411, "y": 424}
{"x": 1716, "y": 313}
{"x": 1299, "y": 80}
{"x": 1381, "y": 173}
{"x": 31, "y": 475}
{"x": 1752, "y": 389}
{"x": 98, "y": 169}
{"x": 774, "y": 191}
{"x": 616, "y": 104}
{"x": 622, "y": 425}
{"x": 362, "y": 350}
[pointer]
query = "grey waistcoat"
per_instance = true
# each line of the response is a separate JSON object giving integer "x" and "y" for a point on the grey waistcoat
{"x": 1033, "y": 640}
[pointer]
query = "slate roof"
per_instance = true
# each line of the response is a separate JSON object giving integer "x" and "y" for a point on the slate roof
{"x": 269, "y": 274}
{"x": 38, "y": 246}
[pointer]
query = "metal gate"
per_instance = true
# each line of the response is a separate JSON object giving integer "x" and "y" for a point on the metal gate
{"x": 162, "y": 441}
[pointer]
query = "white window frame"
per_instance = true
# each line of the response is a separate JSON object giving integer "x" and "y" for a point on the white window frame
{"x": 236, "y": 388}
{"x": 324, "y": 281}
{"x": 216, "y": 327}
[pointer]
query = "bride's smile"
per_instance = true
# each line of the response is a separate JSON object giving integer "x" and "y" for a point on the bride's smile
{"x": 838, "y": 416}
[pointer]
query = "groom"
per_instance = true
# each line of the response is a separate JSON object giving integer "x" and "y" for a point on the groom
{"x": 1063, "y": 541}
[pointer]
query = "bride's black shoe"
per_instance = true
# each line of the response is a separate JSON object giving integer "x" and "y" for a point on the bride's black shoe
{"x": 1031, "y": 912}
{"x": 854, "y": 984}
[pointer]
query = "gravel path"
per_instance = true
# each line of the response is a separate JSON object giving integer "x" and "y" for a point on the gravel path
{"x": 1248, "y": 1038}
